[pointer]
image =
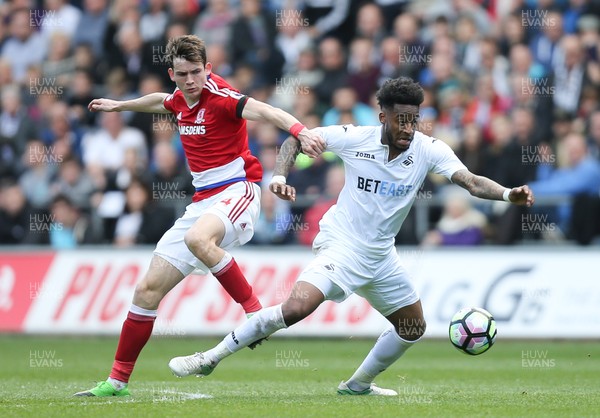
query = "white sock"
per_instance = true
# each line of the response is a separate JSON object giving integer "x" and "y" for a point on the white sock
{"x": 219, "y": 266}
{"x": 388, "y": 348}
{"x": 262, "y": 324}
{"x": 117, "y": 384}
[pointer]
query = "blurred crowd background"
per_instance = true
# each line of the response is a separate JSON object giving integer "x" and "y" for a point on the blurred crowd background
{"x": 512, "y": 86}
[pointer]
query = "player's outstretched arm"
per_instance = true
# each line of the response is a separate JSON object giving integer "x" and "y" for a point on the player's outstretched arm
{"x": 285, "y": 161}
{"x": 485, "y": 188}
{"x": 312, "y": 143}
{"x": 150, "y": 103}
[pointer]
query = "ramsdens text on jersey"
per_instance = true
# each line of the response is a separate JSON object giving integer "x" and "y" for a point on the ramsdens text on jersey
{"x": 384, "y": 188}
{"x": 192, "y": 130}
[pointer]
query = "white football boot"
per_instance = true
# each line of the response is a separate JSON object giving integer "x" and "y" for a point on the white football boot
{"x": 374, "y": 390}
{"x": 196, "y": 364}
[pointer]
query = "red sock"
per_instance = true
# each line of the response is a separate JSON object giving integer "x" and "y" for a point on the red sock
{"x": 134, "y": 336}
{"x": 234, "y": 282}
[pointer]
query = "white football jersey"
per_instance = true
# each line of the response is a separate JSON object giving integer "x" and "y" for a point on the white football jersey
{"x": 378, "y": 194}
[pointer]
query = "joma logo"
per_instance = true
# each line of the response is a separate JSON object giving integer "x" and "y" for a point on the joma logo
{"x": 364, "y": 155}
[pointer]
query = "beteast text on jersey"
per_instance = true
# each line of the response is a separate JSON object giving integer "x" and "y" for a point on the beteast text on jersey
{"x": 383, "y": 188}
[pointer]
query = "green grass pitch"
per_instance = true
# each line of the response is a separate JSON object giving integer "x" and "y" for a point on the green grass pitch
{"x": 298, "y": 378}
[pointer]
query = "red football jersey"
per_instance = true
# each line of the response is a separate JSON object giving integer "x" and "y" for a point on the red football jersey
{"x": 214, "y": 137}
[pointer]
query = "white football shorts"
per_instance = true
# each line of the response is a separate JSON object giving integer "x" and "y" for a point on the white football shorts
{"x": 383, "y": 281}
{"x": 238, "y": 207}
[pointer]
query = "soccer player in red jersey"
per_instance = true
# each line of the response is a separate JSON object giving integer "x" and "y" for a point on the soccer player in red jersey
{"x": 211, "y": 117}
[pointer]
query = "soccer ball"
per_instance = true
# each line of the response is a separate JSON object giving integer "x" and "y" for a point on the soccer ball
{"x": 473, "y": 330}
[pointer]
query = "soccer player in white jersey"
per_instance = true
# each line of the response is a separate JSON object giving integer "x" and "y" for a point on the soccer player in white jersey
{"x": 385, "y": 167}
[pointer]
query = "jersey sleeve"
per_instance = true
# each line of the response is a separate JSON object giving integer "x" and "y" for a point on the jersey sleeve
{"x": 233, "y": 103}
{"x": 168, "y": 103}
{"x": 335, "y": 136}
{"x": 442, "y": 160}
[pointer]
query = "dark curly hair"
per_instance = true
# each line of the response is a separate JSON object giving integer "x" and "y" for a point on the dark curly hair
{"x": 402, "y": 90}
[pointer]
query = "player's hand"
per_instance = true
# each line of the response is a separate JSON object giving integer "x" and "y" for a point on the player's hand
{"x": 521, "y": 195}
{"x": 283, "y": 191}
{"x": 312, "y": 143}
{"x": 104, "y": 105}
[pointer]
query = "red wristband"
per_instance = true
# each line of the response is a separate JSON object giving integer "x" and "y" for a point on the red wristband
{"x": 296, "y": 128}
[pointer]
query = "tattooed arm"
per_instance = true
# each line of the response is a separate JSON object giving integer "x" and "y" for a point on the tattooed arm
{"x": 485, "y": 188}
{"x": 285, "y": 161}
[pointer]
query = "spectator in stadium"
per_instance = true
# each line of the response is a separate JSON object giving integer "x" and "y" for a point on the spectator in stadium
{"x": 154, "y": 21}
{"x": 85, "y": 61}
{"x": 59, "y": 131}
{"x": 514, "y": 166}
{"x": 449, "y": 124}
{"x": 183, "y": 11}
{"x": 62, "y": 17}
{"x": 345, "y": 99}
{"x": 219, "y": 59}
{"x": 276, "y": 224}
{"x": 460, "y": 224}
{"x": 169, "y": 174}
{"x": 253, "y": 42}
{"x": 413, "y": 51}
{"x": 69, "y": 228}
{"x": 211, "y": 118}
{"x": 495, "y": 64}
{"x": 579, "y": 176}
{"x": 104, "y": 150}
{"x": 59, "y": 65}
{"x": 334, "y": 182}
{"x": 79, "y": 94}
{"x": 143, "y": 221}
{"x": 16, "y": 125}
{"x": 130, "y": 53}
{"x": 390, "y": 59}
{"x": 468, "y": 52}
{"x": 292, "y": 38}
{"x": 370, "y": 24}
{"x": 512, "y": 33}
{"x": 149, "y": 123}
{"x": 471, "y": 150}
{"x": 40, "y": 169}
{"x": 297, "y": 88}
{"x": 73, "y": 183}
{"x": 544, "y": 45}
{"x": 92, "y": 26}
{"x": 570, "y": 74}
{"x": 118, "y": 86}
{"x": 486, "y": 104}
{"x": 308, "y": 104}
{"x": 18, "y": 218}
{"x": 24, "y": 47}
{"x": 522, "y": 64}
{"x": 329, "y": 18}
{"x": 355, "y": 250}
{"x": 363, "y": 71}
{"x": 332, "y": 61}
{"x": 213, "y": 25}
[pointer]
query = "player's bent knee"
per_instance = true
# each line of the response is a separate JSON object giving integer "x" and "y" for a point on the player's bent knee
{"x": 413, "y": 332}
{"x": 197, "y": 243}
{"x": 294, "y": 311}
